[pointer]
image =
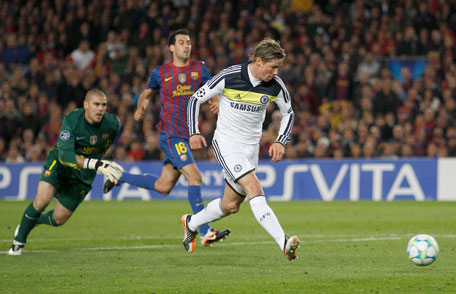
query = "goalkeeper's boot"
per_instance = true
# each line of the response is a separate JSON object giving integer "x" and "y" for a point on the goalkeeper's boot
{"x": 291, "y": 245}
{"x": 213, "y": 236}
{"x": 189, "y": 235}
{"x": 108, "y": 185}
{"x": 17, "y": 247}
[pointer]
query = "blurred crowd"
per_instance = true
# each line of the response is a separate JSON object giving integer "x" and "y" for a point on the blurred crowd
{"x": 347, "y": 100}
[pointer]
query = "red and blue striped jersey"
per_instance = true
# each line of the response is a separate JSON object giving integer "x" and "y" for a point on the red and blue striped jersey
{"x": 177, "y": 84}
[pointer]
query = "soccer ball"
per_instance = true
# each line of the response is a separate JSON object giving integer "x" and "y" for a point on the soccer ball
{"x": 422, "y": 249}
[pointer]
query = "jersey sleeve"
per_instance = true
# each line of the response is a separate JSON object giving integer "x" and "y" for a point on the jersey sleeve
{"x": 154, "y": 79}
{"x": 283, "y": 101}
{"x": 66, "y": 142}
{"x": 205, "y": 74}
{"x": 202, "y": 95}
{"x": 116, "y": 128}
{"x": 114, "y": 132}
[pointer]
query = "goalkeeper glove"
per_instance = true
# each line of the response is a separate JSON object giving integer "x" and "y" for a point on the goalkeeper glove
{"x": 110, "y": 169}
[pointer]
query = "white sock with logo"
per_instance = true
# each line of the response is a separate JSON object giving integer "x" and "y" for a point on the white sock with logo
{"x": 213, "y": 211}
{"x": 266, "y": 217}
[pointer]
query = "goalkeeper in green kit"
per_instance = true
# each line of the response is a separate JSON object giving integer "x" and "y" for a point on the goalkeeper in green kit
{"x": 71, "y": 166}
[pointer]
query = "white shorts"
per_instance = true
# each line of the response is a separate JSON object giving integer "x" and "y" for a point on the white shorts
{"x": 237, "y": 160}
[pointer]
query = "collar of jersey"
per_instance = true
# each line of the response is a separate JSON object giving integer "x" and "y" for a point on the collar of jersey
{"x": 190, "y": 62}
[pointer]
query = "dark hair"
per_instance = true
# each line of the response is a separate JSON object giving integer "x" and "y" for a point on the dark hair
{"x": 94, "y": 92}
{"x": 172, "y": 36}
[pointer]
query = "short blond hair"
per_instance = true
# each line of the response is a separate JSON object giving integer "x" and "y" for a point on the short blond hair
{"x": 268, "y": 50}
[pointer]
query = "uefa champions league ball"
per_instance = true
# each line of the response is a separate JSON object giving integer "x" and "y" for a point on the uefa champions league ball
{"x": 422, "y": 250}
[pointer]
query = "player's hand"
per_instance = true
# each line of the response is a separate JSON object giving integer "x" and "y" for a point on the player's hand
{"x": 197, "y": 142}
{"x": 214, "y": 105}
{"x": 111, "y": 170}
{"x": 276, "y": 151}
{"x": 139, "y": 113}
{"x": 141, "y": 109}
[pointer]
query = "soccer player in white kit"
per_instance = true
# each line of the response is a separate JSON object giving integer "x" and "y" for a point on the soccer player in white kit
{"x": 245, "y": 91}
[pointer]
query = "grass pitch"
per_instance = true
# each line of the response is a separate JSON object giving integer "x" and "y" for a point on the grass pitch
{"x": 136, "y": 247}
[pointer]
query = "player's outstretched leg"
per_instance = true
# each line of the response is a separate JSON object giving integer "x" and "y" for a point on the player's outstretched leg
{"x": 189, "y": 235}
{"x": 208, "y": 235}
{"x": 146, "y": 181}
{"x": 290, "y": 247}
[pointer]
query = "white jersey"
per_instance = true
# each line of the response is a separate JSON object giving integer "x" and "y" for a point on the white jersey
{"x": 242, "y": 105}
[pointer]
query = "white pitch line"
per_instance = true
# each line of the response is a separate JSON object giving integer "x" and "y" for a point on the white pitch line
{"x": 134, "y": 247}
{"x": 98, "y": 239}
{"x": 367, "y": 239}
{"x": 331, "y": 238}
{"x": 356, "y": 239}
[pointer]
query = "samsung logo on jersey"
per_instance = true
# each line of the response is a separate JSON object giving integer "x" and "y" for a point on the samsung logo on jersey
{"x": 247, "y": 107}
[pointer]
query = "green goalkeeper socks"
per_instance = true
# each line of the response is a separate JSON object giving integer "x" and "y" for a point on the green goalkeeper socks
{"x": 48, "y": 219}
{"x": 28, "y": 222}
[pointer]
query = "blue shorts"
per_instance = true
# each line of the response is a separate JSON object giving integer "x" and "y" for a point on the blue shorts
{"x": 177, "y": 151}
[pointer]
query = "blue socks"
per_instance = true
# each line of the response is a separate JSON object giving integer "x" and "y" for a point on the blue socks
{"x": 146, "y": 181}
{"x": 197, "y": 204}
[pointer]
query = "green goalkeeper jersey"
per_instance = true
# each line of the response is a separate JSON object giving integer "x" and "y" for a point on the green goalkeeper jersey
{"x": 78, "y": 137}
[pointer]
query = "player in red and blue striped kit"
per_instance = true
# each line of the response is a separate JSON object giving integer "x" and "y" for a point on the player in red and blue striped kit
{"x": 176, "y": 81}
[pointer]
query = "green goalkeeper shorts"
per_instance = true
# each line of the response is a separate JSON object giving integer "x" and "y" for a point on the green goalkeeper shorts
{"x": 68, "y": 191}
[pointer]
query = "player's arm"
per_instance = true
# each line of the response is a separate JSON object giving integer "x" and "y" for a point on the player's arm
{"x": 68, "y": 157}
{"x": 214, "y": 104}
{"x": 277, "y": 150}
{"x": 143, "y": 101}
{"x": 110, "y": 169}
{"x": 147, "y": 94}
{"x": 65, "y": 144}
{"x": 204, "y": 93}
{"x": 205, "y": 77}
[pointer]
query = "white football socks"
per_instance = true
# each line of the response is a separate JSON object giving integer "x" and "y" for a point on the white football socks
{"x": 266, "y": 217}
{"x": 213, "y": 211}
